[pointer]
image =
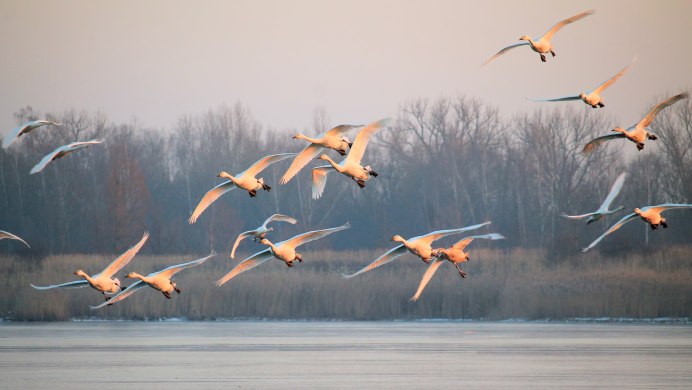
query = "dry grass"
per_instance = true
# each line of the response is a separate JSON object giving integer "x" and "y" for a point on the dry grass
{"x": 500, "y": 285}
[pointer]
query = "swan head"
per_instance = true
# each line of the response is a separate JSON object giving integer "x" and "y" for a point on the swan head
{"x": 264, "y": 241}
{"x": 524, "y": 38}
{"x": 116, "y": 281}
{"x": 224, "y": 175}
{"x": 398, "y": 238}
{"x": 438, "y": 252}
{"x": 299, "y": 136}
{"x": 466, "y": 256}
{"x": 582, "y": 96}
{"x": 270, "y": 229}
{"x": 637, "y": 211}
{"x": 132, "y": 275}
{"x": 79, "y": 272}
{"x": 323, "y": 157}
{"x": 618, "y": 130}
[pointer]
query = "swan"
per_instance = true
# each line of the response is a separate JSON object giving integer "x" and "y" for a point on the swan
{"x": 103, "y": 281}
{"x": 62, "y": 151}
{"x": 4, "y": 234}
{"x": 542, "y": 45}
{"x": 160, "y": 280}
{"x": 419, "y": 246}
{"x": 284, "y": 251}
{"x": 332, "y": 139}
{"x": 454, "y": 254}
{"x": 261, "y": 231}
{"x": 649, "y": 214}
{"x": 603, "y": 210}
{"x": 245, "y": 180}
{"x": 25, "y": 128}
{"x": 593, "y": 97}
{"x": 636, "y": 133}
{"x": 349, "y": 166}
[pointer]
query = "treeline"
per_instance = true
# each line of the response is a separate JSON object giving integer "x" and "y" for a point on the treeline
{"x": 443, "y": 164}
{"x": 501, "y": 284}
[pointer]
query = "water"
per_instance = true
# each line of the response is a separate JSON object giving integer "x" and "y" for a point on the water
{"x": 344, "y": 355}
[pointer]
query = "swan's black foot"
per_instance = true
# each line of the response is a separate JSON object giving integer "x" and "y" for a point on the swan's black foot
{"x": 299, "y": 257}
{"x": 266, "y": 187}
{"x": 252, "y": 193}
{"x": 342, "y": 152}
{"x": 289, "y": 264}
{"x": 542, "y": 58}
{"x": 427, "y": 261}
{"x": 640, "y": 146}
{"x": 652, "y": 137}
{"x": 166, "y": 294}
{"x": 463, "y": 274}
{"x": 107, "y": 298}
{"x": 664, "y": 224}
{"x": 177, "y": 290}
{"x": 350, "y": 144}
{"x": 654, "y": 227}
{"x": 594, "y": 106}
{"x": 361, "y": 183}
{"x": 373, "y": 173}
{"x": 601, "y": 105}
{"x": 553, "y": 53}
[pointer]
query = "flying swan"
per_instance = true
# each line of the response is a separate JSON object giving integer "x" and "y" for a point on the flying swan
{"x": 4, "y": 234}
{"x": 261, "y": 232}
{"x": 23, "y": 129}
{"x": 603, "y": 210}
{"x": 61, "y": 152}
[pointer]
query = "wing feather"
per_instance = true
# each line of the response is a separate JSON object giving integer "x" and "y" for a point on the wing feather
{"x": 319, "y": 180}
{"x": 264, "y": 162}
{"x": 124, "y": 259}
{"x": 667, "y": 206}
{"x": 280, "y": 218}
{"x": 609, "y": 82}
{"x": 312, "y": 236}
{"x": 613, "y": 228}
{"x": 246, "y": 265}
{"x": 382, "y": 260}
{"x": 4, "y": 234}
{"x": 549, "y": 34}
{"x": 504, "y": 50}
{"x": 174, "y": 269}
{"x": 362, "y": 139}
{"x": 660, "y": 106}
{"x": 240, "y": 238}
{"x": 74, "y": 284}
{"x": 432, "y": 268}
{"x": 614, "y": 191}
{"x": 131, "y": 289}
{"x": 209, "y": 198}
{"x": 65, "y": 149}
{"x": 464, "y": 242}
{"x": 596, "y": 142}
{"x": 309, "y": 153}
{"x": 557, "y": 99}
{"x": 436, "y": 235}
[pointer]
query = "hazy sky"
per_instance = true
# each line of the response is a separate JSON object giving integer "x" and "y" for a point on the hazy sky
{"x": 156, "y": 60}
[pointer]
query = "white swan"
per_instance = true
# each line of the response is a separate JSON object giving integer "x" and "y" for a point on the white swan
{"x": 160, "y": 281}
{"x": 636, "y": 133}
{"x": 349, "y": 166}
{"x": 332, "y": 139}
{"x": 284, "y": 251}
{"x": 593, "y": 97}
{"x": 261, "y": 231}
{"x": 25, "y": 128}
{"x": 245, "y": 180}
{"x": 649, "y": 214}
{"x": 542, "y": 45}
{"x": 102, "y": 281}
{"x": 62, "y": 151}
{"x": 419, "y": 246}
{"x": 4, "y": 234}
{"x": 603, "y": 210}
{"x": 454, "y": 254}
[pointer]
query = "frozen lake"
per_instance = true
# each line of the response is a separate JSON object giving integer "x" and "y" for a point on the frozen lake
{"x": 342, "y": 355}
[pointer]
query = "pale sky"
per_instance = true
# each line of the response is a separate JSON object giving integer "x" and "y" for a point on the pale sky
{"x": 359, "y": 60}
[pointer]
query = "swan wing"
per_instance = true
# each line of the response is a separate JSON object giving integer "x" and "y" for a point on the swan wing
{"x": 464, "y": 242}
{"x": 660, "y": 106}
{"x": 246, "y": 265}
{"x": 23, "y": 129}
{"x": 339, "y": 130}
{"x": 209, "y": 198}
{"x": 362, "y": 139}
{"x": 309, "y": 153}
{"x": 549, "y": 34}
{"x": 264, "y": 162}
{"x": 382, "y": 260}
{"x": 62, "y": 151}
{"x": 174, "y": 269}
{"x": 582, "y": 216}
{"x": 596, "y": 142}
{"x": 131, "y": 289}
{"x": 319, "y": 180}
{"x": 436, "y": 235}
{"x": 667, "y": 206}
{"x": 4, "y": 234}
{"x": 124, "y": 259}
{"x": 609, "y": 82}
{"x": 557, "y": 99}
{"x": 312, "y": 236}
{"x": 614, "y": 191}
{"x": 432, "y": 268}
{"x": 504, "y": 50}
{"x": 280, "y": 218}
{"x": 240, "y": 238}
{"x": 75, "y": 284}
{"x": 613, "y": 228}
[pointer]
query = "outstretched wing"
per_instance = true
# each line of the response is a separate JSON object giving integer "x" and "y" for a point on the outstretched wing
{"x": 246, "y": 265}
{"x": 47, "y": 159}
{"x": 557, "y": 99}
{"x": 596, "y": 142}
{"x": 436, "y": 235}
{"x": 309, "y": 153}
{"x": 504, "y": 50}
{"x": 614, "y": 191}
{"x": 549, "y": 34}
{"x": 609, "y": 82}
{"x": 361, "y": 141}
{"x": 76, "y": 284}
{"x": 464, "y": 242}
{"x": 339, "y": 130}
{"x": 432, "y": 268}
{"x": 660, "y": 106}
{"x": 382, "y": 260}
{"x": 209, "y": 198}
{"x": 131, "y": 289}
{"x": 582, "y": 216}
{"x": 174, "y": 269}
{"x": 319, "y": 180}
{"x": 667, "y": 206}
{"x": 240, "y": 238}
{"x": 23, "y": 129}
{"x": 312, "y": 236}
{"x": 613, "y": 228}
{"x": 280, "y": 218}
{"x": 62, "y": 151}
{"x": 125, "y": 258}
{"x": 4, "y": 234}
{"x": 264, "y": 162}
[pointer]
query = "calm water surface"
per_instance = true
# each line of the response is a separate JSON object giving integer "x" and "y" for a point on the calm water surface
{"x": 344, "y": 355}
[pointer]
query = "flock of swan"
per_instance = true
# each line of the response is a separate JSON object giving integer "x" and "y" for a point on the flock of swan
{"x": 351, "y": 167}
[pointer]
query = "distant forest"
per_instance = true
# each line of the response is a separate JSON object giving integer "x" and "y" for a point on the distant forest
{"x": 442, "y": 164}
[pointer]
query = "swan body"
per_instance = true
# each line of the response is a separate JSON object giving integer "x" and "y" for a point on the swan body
{"x": 454, "y": 254}
{"x": 246, "y": 180}
{"x": 636, "y": 133}
{"x": 543, "y": 45}
{"x": 284, "y": 251}
{"x": 160, "y": 281}
{"x": 604, "y": 209}
{"x": 349, "y": 166}
{"x": 25, "y": 128}
{"x": 103, "y": 281}
{"x": 262, "y": 230}
{"x": 8, "y": 235}
{"x": 332, "y": 139}
{"x": 593, "y": 97}
{"x": 61, "y": 152}
{"x": 649, "y": 214}
{"x": 419, "y": 246}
